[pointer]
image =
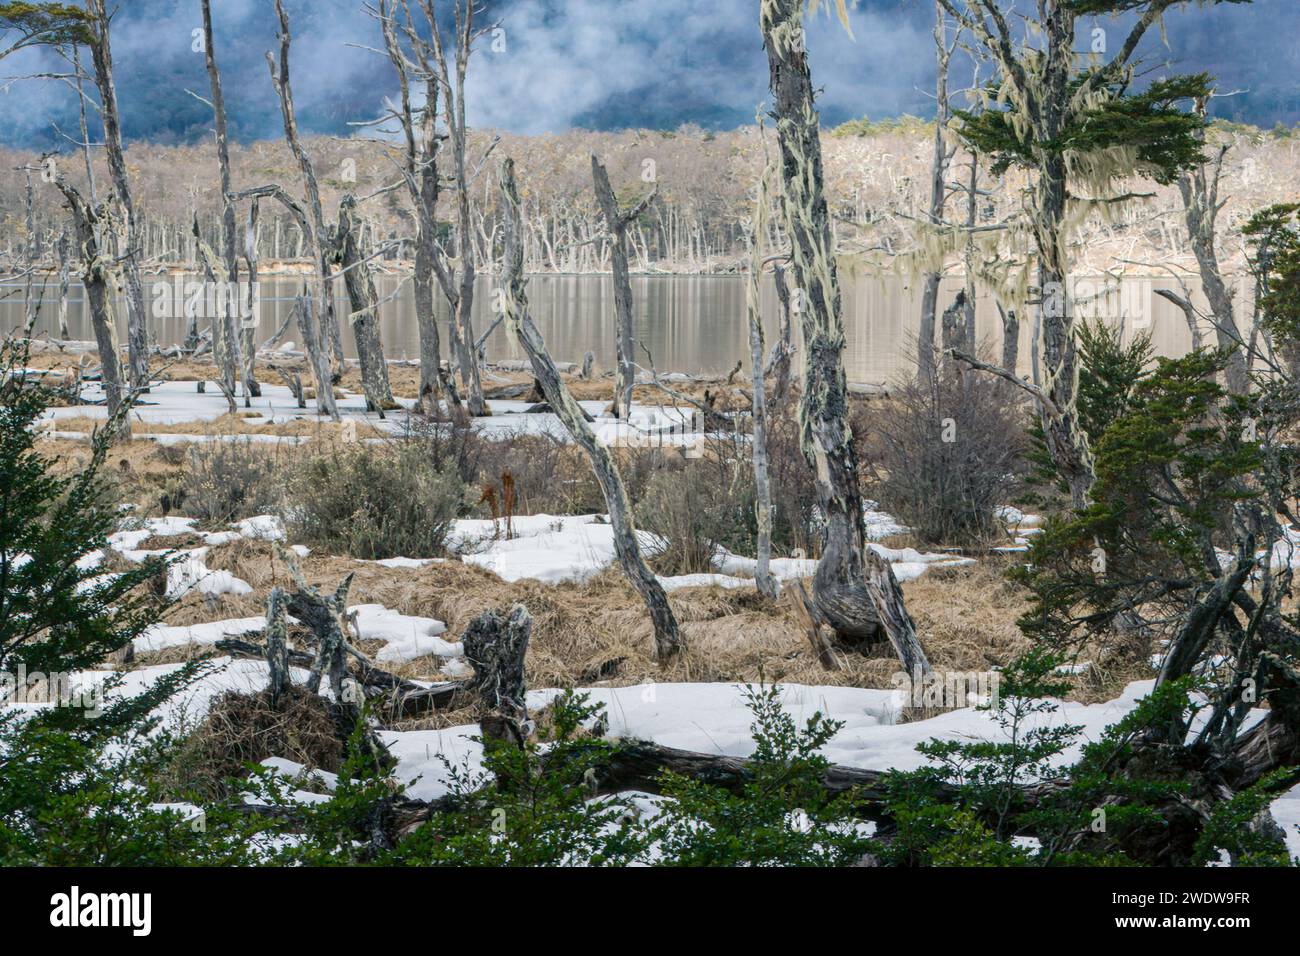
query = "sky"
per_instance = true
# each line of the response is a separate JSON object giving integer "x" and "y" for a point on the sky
{"x": 596, "y": 64}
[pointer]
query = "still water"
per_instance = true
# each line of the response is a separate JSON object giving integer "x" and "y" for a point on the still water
{"x": 688, "y": 323}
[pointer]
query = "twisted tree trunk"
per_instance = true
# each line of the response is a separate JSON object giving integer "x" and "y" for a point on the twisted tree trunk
{"x": 668, "y": 639}
{"x": 844, "y": 597}
{"x": 99, "y": 279}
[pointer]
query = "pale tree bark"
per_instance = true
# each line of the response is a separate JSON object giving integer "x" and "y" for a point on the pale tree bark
{"x": 224, "y": 335}
{"x": 925, "y": 359}
{"x": 313, "y": 342}
{"x": 314, "y": 228}
{"x": 668, "y": 638}
{"x": 61, "y": 246}
{"x": 457, "y": 280}
{"x": 851, "y": 579}
{"x": 100, "y": 281}
{"x": 229, "y": 357}
{"x": 1199, "y": 188}
{"x": 364, "y": 318}
{"x": 420, "y": 172}
{"x": 248, "y": 329}
{"x": 616, "y": 224}
{"x": 767, "y": 585}
{"x": 137, "y": 342}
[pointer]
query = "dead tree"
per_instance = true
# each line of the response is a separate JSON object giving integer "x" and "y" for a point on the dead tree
{"x": 128, "y": 237}
{"x": 938, "y": 193}
{"x": 954, "y": 331}
{"x": 668, "y": 639}
{"x": 456, "y": 277}
{"x": 277, "y": 643}
{"x": 248, "y": 330}
{"x": 420, "y": 173}
{"x": 315, "y": 308}
{"x": 1199, "y": 188}
{"x": 495, "y": 648}
{"x": 854, "y": 588}
{"x": 778, "y": 362}
{"x": 616, "y": 223}
{"x": 99, "y": 278}
{"x": 226, "y": 327}
{"x": 1010, "y": 337}
{"x": 313, "y": 223}
{"x": 763, "y": 579}
{"x": 364, "y": 317}
{"x": 225, "y": 338}
{"x": 61, "y": 246}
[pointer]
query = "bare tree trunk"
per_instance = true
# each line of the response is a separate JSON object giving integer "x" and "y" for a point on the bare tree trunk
{"x": 668, "y": 639}
{"x": 778, "y": 363}
{"x": 313, "y": 227}
{"x": 925, "y": 359}
{"x": 365, "y": 309}
{"x": 1010, "y": 338}
{"x": 228, "y": 357}
{"x": 616, "y": 223}
{"x": 953, "y": 333}
{"x": 252, "y": 305}
{"x": 844, "y": 596}
{"x": 62, "y": 247}
{"x": 420, "y": 172}
{"x": 99, "y": 280}
{"x": 1200, "y": 191}
{"x": 137, "y": 343}
{"x": 763, "y": 579}
{"x": 223, "y": 324}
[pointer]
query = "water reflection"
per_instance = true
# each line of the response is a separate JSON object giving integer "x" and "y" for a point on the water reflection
{"x": 688, "y": 323}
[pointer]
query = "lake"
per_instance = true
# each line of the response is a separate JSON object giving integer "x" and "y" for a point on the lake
{"x": 689, "y": 323}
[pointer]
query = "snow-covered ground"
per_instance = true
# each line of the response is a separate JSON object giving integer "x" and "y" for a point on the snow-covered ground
{"x": 710, "y": 718}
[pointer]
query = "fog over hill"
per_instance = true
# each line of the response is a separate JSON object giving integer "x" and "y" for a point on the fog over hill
{"x": 596, "y": 64}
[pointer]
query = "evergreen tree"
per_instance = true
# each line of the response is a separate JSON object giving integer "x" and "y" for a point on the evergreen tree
{"x": 1073, "y": 121}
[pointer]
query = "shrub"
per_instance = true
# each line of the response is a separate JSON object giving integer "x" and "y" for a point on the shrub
{"x": 228, "y": 480}
{"x": 945, "y": 454}
{"x": 796, "y": 518}
{"x": 531, "y": 805}
{"x": 782, "y": 816}
{"x": 698, "y": 508}
{"x": 83, "y": 790}
{"x": 374, "y": 501}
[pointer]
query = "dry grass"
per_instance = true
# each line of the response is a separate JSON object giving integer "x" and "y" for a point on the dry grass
{"x": 242, "y": 729}
{"x": 598, "y": 633}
